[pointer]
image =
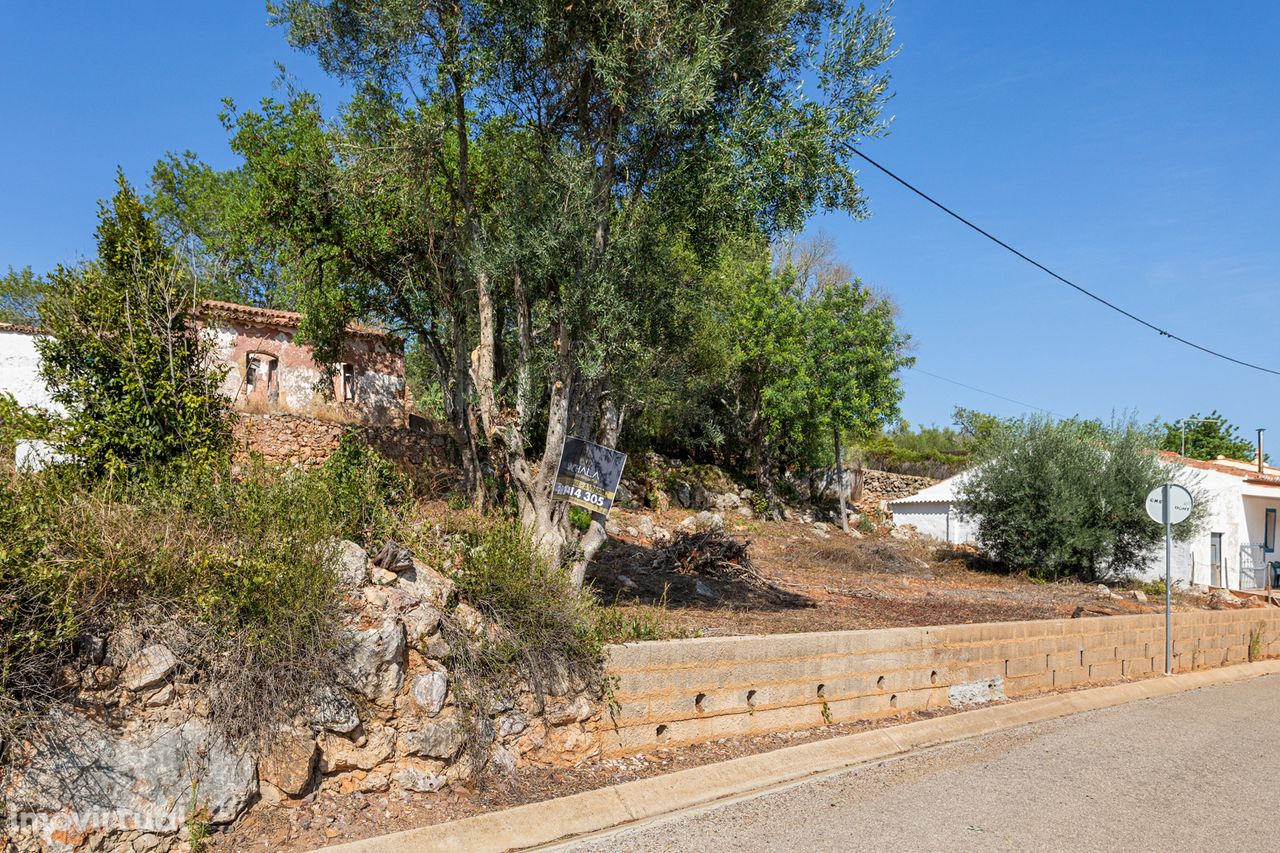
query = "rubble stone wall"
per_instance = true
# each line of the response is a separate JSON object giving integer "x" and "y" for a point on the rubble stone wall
{"x": 300, "y": 440}
{"x": 692, "y": 691}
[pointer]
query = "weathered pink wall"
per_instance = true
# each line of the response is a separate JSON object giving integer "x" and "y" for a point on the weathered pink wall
{"x": 302, "y": 388}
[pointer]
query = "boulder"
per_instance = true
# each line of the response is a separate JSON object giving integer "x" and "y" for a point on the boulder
{"x": 290, "y": 762}
{"x": 427, "y": 584}
{"x": 374, "y": 783}
{"x": 511, "y": 724}
{"x": 429, "y": 690}
{"x": 1138, "y": 595}
{"x": 419, "y": 781}
{"x": 436, "y": 740}
{"x": 149, "y": 667}
{"x": 338, "y": 754}
{"x": 503, "y": 761}
{"x": 334, "y": 712}
{"x": 706, "y": 520}
{"x": 577, "y": 711}
{"x": 146, "y": 777}
{"x": 420, "y": 623}
{"x": 375, "y": 664}
{"x": 353, "y": 564}
{"x": 645, "y": 526}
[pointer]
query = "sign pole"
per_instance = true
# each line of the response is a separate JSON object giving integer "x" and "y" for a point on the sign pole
{"x": 1168, "y": 583}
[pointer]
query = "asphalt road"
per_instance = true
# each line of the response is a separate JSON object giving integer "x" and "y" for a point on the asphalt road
{"x": 1195, "y": 771}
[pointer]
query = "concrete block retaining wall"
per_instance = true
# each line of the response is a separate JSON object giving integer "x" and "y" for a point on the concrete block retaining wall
{"x": 675, "y": 692}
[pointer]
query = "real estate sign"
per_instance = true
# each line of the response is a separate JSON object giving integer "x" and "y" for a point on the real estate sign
{"x": 589, "y": 474}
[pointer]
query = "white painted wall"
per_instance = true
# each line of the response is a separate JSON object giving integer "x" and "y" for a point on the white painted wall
{"x": 937, "y": 520}
{"x": 20, "y": 369}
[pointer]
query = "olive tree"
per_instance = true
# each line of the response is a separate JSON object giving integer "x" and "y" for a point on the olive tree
{"x": 1067, "y": 497}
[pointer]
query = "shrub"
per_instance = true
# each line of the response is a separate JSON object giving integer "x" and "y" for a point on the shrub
{"x": 364, "y": 485}
{"x": 579, "y": 518}
{"x": 1067, "y": 497}
{"x": 123, "y": 354}
{"x": 235, "y": 575}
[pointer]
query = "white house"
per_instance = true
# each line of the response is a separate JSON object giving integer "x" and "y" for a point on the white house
{"x": 20, "y": 367}
{"x": 1233, "y": 549}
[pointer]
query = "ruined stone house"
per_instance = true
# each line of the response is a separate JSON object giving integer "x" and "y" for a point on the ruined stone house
{"x": 268, "y": 371}
{"x": 292, "y": 408}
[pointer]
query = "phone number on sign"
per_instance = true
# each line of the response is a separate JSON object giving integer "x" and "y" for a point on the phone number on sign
{"x": 569, "y": 491}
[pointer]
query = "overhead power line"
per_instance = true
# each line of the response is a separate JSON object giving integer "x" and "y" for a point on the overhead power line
{"x": 989, "y": 393}
{"x": 1068, "y": 282}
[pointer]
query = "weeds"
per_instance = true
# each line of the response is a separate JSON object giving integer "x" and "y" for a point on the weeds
{"x": 1255, "y": 642}
{"x": 234, "y": 574}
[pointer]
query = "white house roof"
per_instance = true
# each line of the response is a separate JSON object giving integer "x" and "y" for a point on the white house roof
{"x": 940, "y": 492}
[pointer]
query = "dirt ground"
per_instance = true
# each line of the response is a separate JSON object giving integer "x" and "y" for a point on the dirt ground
{"x": 824, "y": 580}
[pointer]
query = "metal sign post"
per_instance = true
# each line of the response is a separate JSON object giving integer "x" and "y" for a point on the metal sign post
{"x": 1169, "y": 504}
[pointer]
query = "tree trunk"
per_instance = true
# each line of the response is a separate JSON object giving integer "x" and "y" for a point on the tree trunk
{"x": 841, "y": 495}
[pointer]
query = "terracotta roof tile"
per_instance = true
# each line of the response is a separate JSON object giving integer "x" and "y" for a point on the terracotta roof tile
{"x": 284, "y": 319}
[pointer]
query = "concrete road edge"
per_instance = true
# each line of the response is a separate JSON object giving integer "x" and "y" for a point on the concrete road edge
{"x": 643, "y": 800}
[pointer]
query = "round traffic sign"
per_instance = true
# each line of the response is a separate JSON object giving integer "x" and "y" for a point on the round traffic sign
{"x": 1180, "y": 503}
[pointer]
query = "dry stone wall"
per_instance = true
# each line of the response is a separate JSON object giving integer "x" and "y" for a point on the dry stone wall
{"x": 691, "y": 691}
{"x": 133, "y": 756}
{"x": 307, "y": 441}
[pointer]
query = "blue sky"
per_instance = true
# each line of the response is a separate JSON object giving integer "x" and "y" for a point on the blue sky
{"x": 1131, "y": 146}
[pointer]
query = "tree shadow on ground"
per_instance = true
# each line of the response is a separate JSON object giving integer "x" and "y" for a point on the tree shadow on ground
{"x": 629, "y": 572}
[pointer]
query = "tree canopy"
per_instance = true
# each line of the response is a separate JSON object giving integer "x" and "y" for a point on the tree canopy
{"x": 1207, "y": 437}
{"x": 538, "y": 194}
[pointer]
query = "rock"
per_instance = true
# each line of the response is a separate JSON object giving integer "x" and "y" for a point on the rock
{"x": 702, "y": 590}
{"x": 149, "y": 667}
{"x": 436, "y": 740}
{"x": 145, "y": 843}
{"x": 394, "y": 557}
{"x": 821, "y": 534}
{"x": 334, "y": 712}
{"x": 420, "y": 623}
{"x": 627, "y": 583}
{"x": 92, "y": 649}
{"x": 622, "y": 497}
{"x": 746, "y": 511}
{"x": 290, "y": 762}
{"x": 159, "y": 698}
{"x": 436, "y": 648}
{"x": 470, "y": 620}
{"x": 611, "y": 527}
{"x": 820, "y": 526}
{"x": 661, "y": 535}
{"x": 420, "y": 781}
{"x": 382, "y": 577}
{"x": 375, "y": 664}
{"x": 374, "y": 783}
{"x": 503, "y": 761}
{"x": 577, "y": 711}
{"x": 645, "y": 526}
{"x": 904, "y": 532}
{"x": 353, "y": 564}
{"x": 707, "y": 520}
{"x": 727, "y": 501}
{"x": 1103, "y": 590}
{"x": 144, "y": 777}
{"x": 338, "y": 754}
{"x": 429, "y": 690}
{"x": 1138, "y": 595}
{"x": 682, "y": 496}
{"x": 429, "y": 585}
{"x": 512, "y": 724}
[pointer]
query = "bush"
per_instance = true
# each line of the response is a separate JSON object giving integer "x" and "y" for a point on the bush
{"x": 1060, "y": 498}
{"x": 364, "y": 485}
{"x": 579, "y": 519}
{"x": 236, "y": 575}
{"x": 123, "y": 354}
